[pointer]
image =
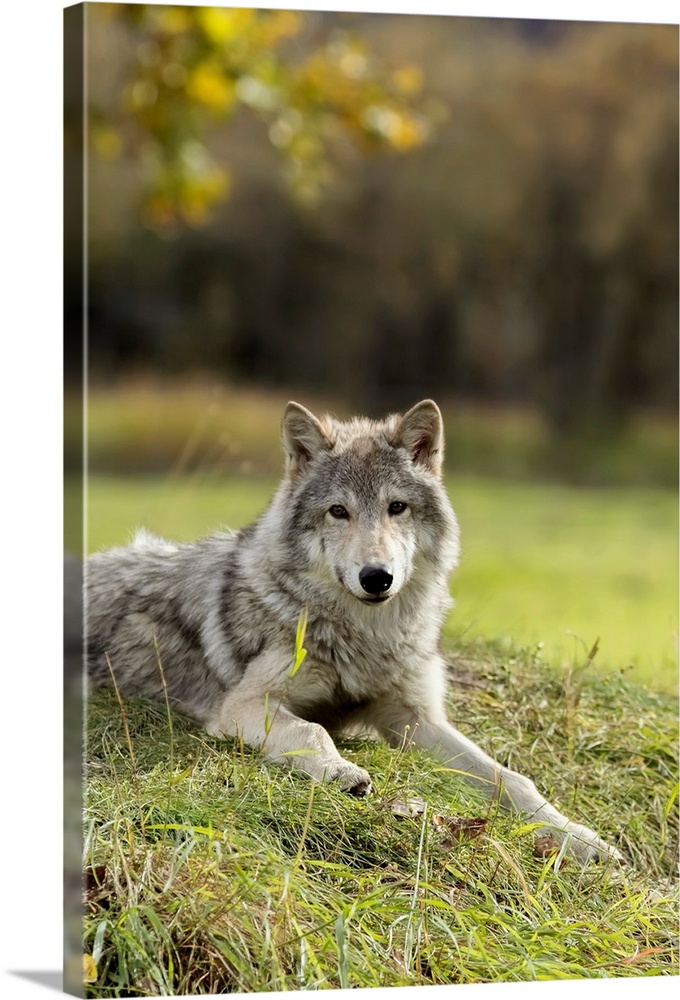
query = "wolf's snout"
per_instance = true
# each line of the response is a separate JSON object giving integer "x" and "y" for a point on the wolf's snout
{"x": 375, "y": 580}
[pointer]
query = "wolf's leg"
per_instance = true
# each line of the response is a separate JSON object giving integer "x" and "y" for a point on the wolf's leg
{"x": 514, "y": 791}
{"x": 287, "y": 739}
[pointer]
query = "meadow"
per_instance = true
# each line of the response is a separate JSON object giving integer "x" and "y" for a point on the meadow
{"x": 560, "y": 545}
{"x": 541, "y": 563}
{"x": 208, "y": 870}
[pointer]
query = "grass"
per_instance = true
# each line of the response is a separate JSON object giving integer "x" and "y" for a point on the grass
{"x": 210, "y": 871}
{"x": 207, "y": 870}
{"x": 540, "y": 562}
{"x": 564, "y": 565}
{"x": 147, "y": 425}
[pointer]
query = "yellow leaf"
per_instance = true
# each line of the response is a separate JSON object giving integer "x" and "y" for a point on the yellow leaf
{"x": 174, "y": 20}
{"x": 300, "y": 651}
{"x": 210, "y": 86}
{"x": 278, "y": 24}
{"x": 89, "y": 969}
{"x": 404, "y": 133}
{"x": 106, "y": 142}
{"x": 408, "y": 79}
{"x": 220, "y": 24}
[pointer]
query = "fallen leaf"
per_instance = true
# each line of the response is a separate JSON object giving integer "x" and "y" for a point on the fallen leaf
{"x": 548, "y": 846}
{"x": 545, "y": 846}
{"x": 461, "y": 827}
{"x": 412, "y": 807}
{"x": 89, "y": 969}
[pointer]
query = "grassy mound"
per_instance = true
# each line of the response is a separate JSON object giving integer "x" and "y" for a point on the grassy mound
{"x": 207, "y": 870}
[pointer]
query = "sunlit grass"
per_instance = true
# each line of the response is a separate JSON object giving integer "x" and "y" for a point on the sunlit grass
{"x": 564, "y": 566}
{"x": 540, "y": 563}
{"x": 210, "y": 871}
{"x": 543, "y": 563}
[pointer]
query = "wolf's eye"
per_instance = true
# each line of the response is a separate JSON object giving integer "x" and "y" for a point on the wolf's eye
{"x": 396, "y": 507}
{"x": 338, "y": 511}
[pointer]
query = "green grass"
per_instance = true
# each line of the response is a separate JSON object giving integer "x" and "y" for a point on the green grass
{"x": 565, "y": 565}
{"x": 210, "y": 871}
{"x": 556, "y": 564}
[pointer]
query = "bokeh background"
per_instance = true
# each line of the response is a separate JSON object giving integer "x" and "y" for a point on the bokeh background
{"x": 361, "y": 210}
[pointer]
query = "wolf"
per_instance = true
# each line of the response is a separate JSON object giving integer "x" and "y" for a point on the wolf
{"x": 361, "y": 538}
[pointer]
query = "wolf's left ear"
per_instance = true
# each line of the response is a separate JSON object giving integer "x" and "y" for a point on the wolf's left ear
{"x": 302, "y": 435}
{"x": 421, "y": 432}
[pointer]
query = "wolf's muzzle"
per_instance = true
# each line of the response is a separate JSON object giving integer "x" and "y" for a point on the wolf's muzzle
{"x": 375, "y": 580}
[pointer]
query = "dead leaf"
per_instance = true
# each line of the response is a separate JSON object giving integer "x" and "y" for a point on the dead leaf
{"x": 545, "y": 846}
{"x": 548, "y": 846}
{"x": 458, "y": 829}
{"x": 461, "y": 827}
{"x": 412, "y": 807}
{"x": 398, "y": 959}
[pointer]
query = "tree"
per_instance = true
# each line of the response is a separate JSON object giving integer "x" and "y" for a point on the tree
{"x": 316, "y": 88}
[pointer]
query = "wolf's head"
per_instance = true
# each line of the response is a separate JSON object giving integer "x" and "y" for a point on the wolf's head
{"x": 366, "y": 509}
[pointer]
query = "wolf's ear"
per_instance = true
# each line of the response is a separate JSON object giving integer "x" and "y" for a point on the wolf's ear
{"x": 421, "y": 432}
{"x": 302, "y": 435}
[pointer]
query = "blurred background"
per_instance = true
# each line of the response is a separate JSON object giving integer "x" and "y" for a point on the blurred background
{"x": 362, "y": 210}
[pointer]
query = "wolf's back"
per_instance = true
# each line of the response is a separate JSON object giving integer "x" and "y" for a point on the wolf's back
{"x": 147, "y": 606}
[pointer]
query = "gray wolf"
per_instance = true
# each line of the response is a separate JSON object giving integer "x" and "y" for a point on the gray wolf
{"x": 362, "y": 535}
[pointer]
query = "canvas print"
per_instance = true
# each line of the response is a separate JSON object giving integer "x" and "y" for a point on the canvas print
{"x": 371, "y": 474}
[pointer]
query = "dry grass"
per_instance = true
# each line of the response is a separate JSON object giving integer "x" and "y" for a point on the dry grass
{"x": 149, "y": 425}
{"x": 210, "y": 871}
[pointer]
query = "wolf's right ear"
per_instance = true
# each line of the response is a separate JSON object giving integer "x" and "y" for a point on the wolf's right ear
{"x": 302, "y": 435}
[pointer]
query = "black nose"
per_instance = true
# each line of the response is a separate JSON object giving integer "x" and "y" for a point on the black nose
{"x": 375, "y": 579}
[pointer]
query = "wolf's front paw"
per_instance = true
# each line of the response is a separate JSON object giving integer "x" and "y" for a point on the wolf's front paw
{"x": 352, "y": 779}
{"x": 586, "y": 846}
